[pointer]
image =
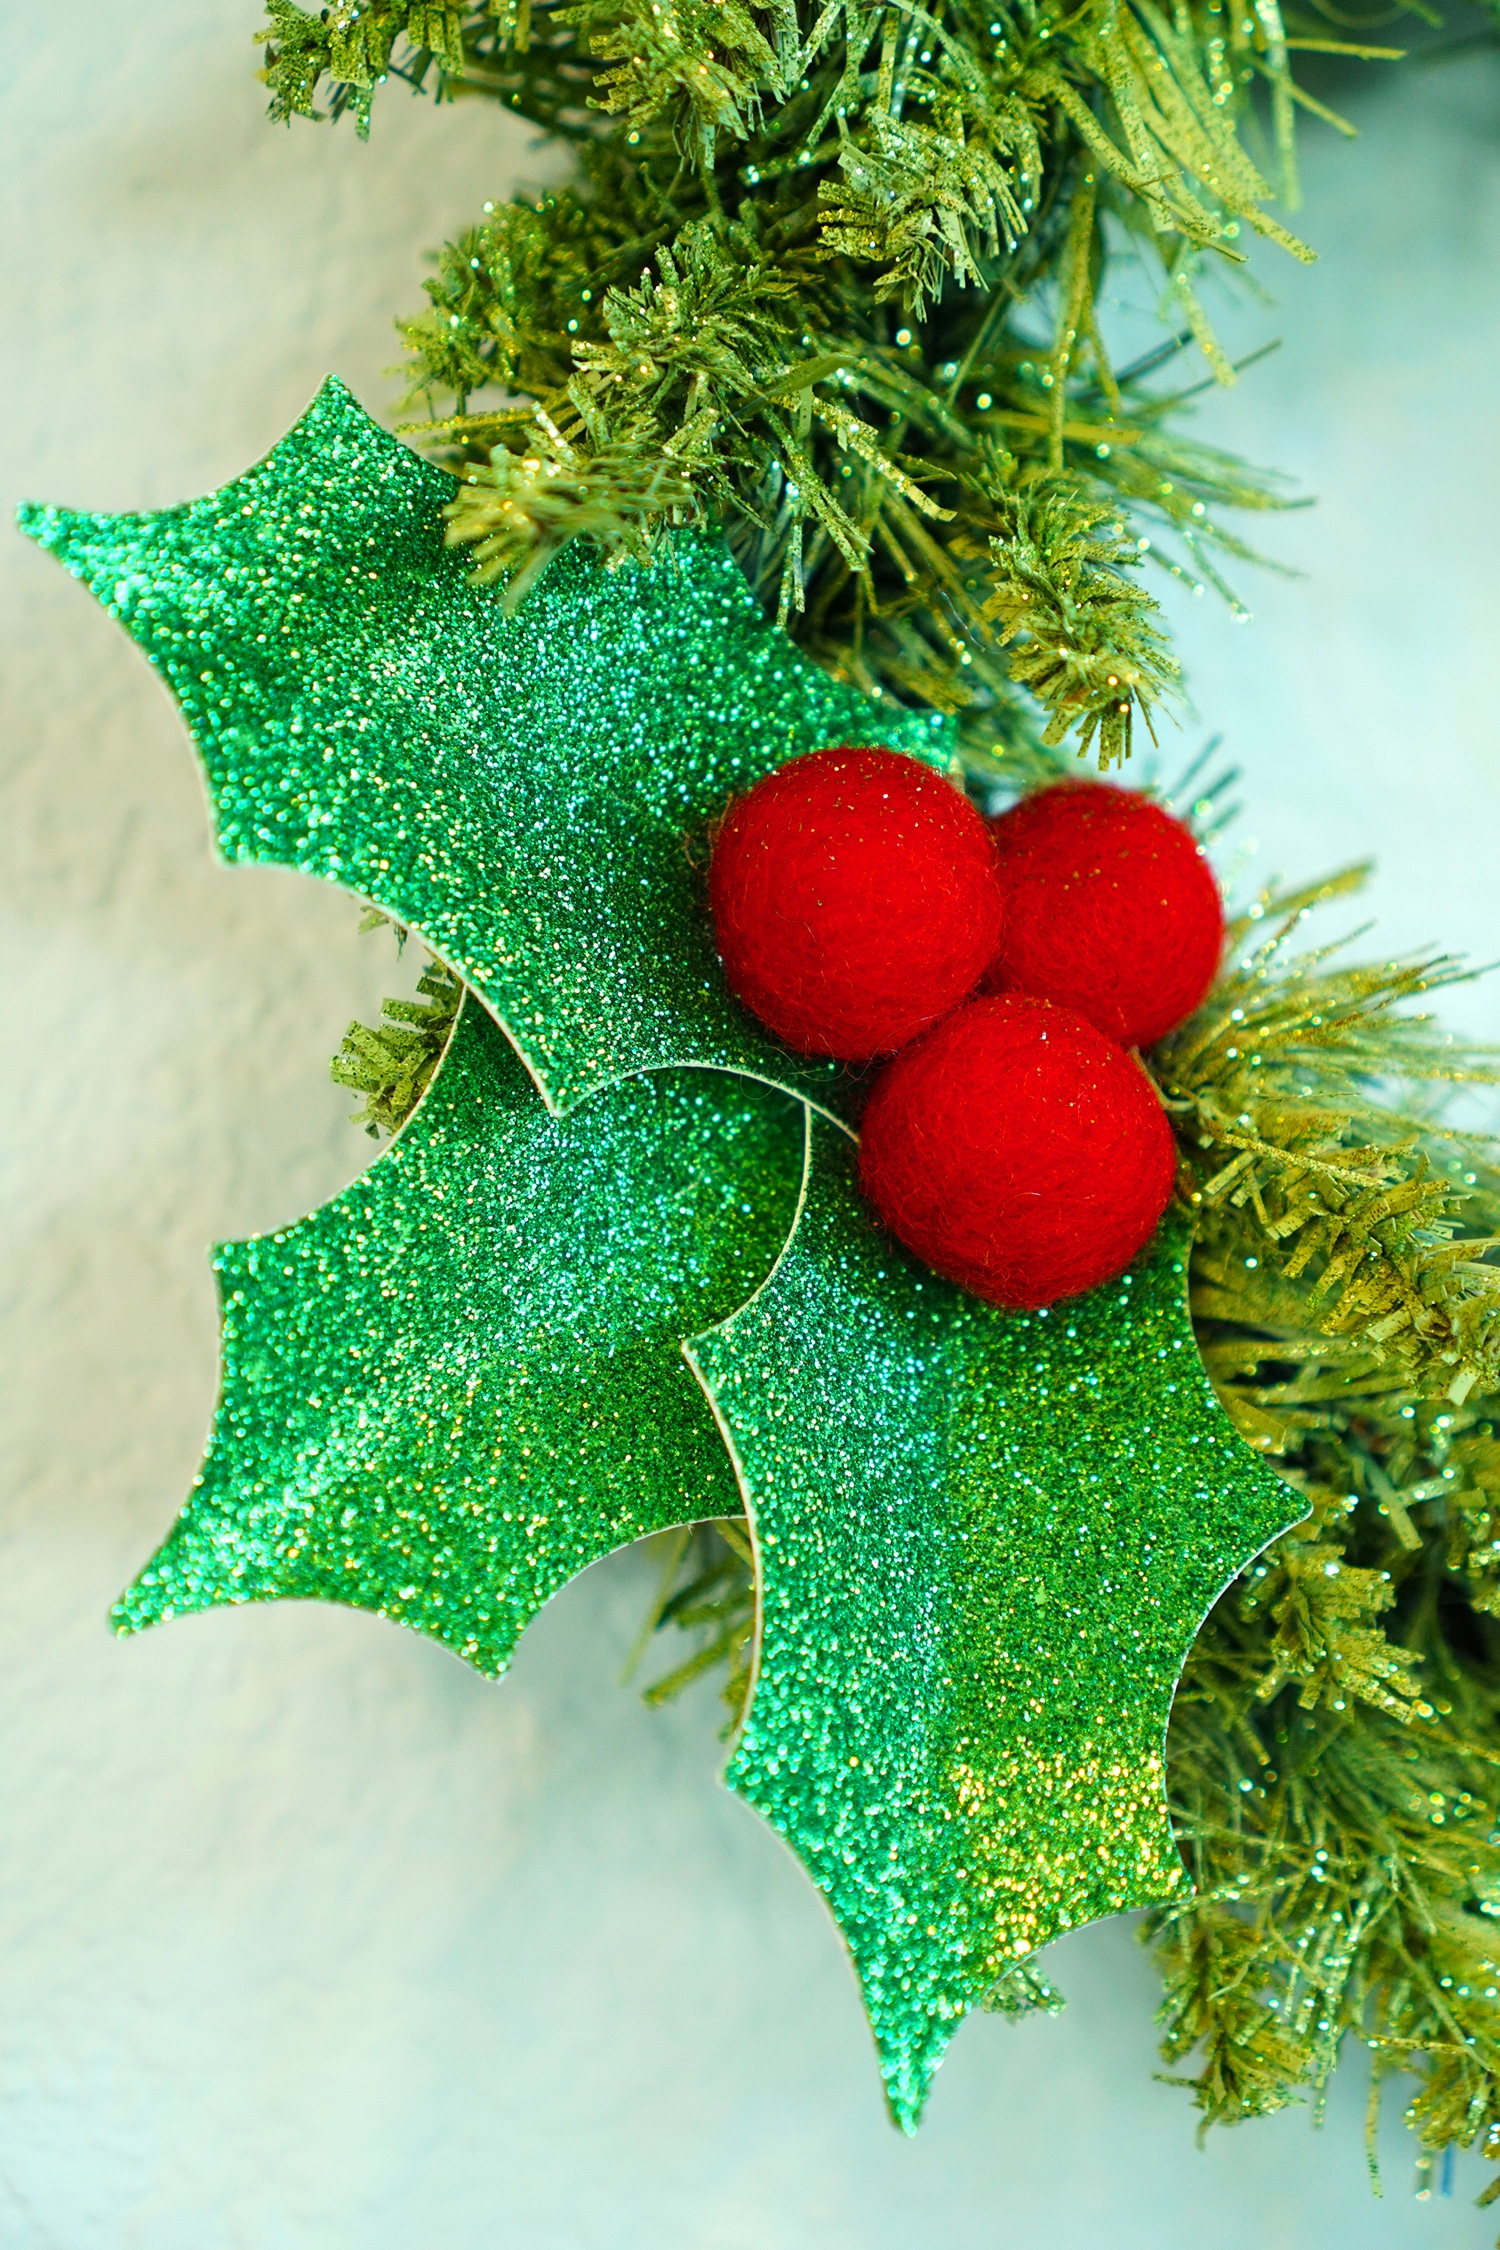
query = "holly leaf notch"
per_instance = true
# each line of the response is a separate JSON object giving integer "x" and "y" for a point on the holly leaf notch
{"x": 459, "y": 1383}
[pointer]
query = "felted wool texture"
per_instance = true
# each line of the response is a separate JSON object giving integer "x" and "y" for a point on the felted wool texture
{"x": 1018, "y": 1151}
{"x": 1110, "y": 909}
{"x": 854, "y": 900}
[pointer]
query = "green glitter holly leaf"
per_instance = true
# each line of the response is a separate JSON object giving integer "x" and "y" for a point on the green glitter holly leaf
{"x": 986, "y": 1541}
{"x": 520, "y": 788}
{"x": 459, "y": 1383}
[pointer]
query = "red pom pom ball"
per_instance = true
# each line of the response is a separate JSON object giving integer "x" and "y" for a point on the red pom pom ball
{"x": 1018, "y": 1151}
{"x": 1110, "y": 908}
{"x": 854, "y": 901}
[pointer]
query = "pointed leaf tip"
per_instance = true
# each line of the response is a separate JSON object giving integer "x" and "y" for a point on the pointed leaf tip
{"x": 518, "y": 788}
{"x": 987, "y": 1541}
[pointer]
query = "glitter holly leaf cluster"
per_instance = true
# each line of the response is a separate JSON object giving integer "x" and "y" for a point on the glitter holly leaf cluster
{"x": 613, "y": 1274}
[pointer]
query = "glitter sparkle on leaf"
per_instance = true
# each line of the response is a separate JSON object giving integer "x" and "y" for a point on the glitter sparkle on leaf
{"x": 518, "y": 788}
{"x": 986, "y": 1541}
{"x": 459, "y": 1383}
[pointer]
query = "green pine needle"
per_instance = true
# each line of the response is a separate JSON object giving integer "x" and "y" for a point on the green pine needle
{"x": 392, "y": 1063}
{"x": 819, "y": 269}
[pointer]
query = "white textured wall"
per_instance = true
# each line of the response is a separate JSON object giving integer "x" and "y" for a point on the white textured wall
{"x": 312, "y": 1939}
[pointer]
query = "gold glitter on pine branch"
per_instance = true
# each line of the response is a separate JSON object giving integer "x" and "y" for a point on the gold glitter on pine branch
{"x": 352, "y": 47}
{"x": 1333, "y": 1757}
{"x": 1084, "y": 639}
{"x": 801, "y": 276}
{"x": 1343, "y": 1842}
{"x": 1364, "y": 1209}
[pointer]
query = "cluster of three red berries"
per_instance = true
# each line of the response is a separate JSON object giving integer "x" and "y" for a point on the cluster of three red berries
{"x": 864, "y": 908}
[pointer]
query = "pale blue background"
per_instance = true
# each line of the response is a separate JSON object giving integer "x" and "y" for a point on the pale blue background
{"x": 310, "y": 1938}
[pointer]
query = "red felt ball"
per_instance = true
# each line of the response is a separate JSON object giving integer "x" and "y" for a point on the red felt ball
{"x": 854, "y": 900}
{"x": 1018, "y": 1151}
{"x": 1110, "y": 909}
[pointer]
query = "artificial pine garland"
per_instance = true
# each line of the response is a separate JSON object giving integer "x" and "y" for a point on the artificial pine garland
{"x": 829, "y": 277}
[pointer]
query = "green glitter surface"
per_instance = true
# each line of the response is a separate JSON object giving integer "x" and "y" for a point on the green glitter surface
{"x": 459, "y": 1383}
{"x": 519, "y": 789}
{"x": 986, "y": 1541}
